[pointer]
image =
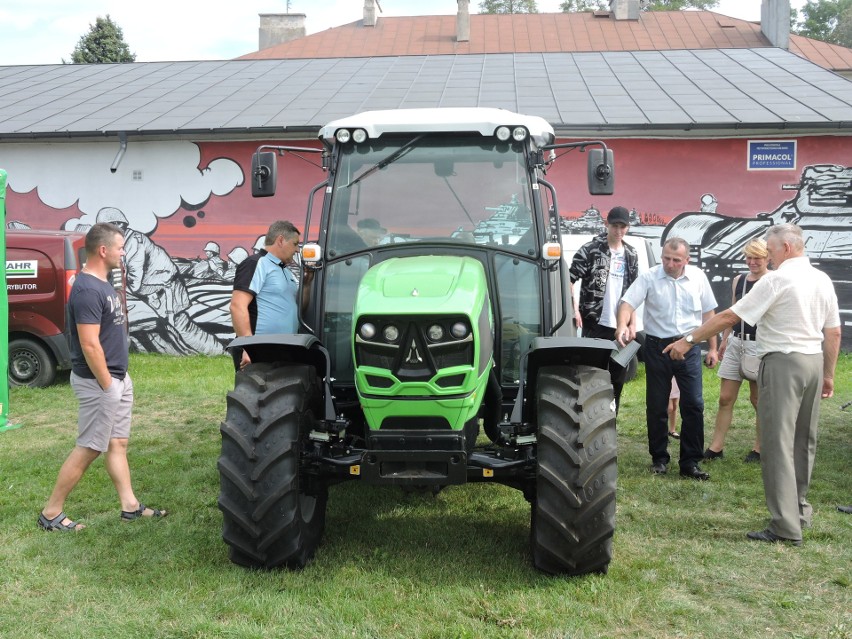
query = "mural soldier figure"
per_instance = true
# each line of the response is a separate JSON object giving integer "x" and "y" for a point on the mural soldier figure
{"x": 211, "y": 265}
{"x": 153, "y": 277}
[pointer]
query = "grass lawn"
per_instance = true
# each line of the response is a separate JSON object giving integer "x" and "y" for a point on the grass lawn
{"x": 406, "y": 565}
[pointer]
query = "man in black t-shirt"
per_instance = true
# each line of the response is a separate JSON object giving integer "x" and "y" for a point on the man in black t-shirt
{"x": 99, "y": 358}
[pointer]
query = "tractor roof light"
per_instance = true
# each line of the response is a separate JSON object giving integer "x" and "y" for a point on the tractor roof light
{"x": 343, "y": 136}
{"x": 519, "y": 134}
{"x": 359, "y": 136}
{"x": 503, "y": 133}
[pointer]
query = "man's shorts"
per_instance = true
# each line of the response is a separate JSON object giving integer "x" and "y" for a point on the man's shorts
{"x": 103, "y": 414}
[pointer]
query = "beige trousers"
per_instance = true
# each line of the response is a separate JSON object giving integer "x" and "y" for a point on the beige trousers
{"x": 790, "y": 388}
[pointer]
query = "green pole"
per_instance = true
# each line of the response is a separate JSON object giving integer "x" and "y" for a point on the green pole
{"x": 4, "y": 318}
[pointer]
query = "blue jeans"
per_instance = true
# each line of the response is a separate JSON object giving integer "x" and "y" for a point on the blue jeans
{"x": 659, "y": 370}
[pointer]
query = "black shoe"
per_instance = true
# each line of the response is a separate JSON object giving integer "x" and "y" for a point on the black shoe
{"x": 845, "y": 509}
{"x": 771, "y": 538}
{"x": 694, "y": 472}
{"x": 712, "y": 454}
{"x": 753, "y": 456}
{"x": 659, "y": 468}
{"x": 674, "y": 434}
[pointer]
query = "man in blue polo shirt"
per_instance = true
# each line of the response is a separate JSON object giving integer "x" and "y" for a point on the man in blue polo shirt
{"x": 265, "y": 290}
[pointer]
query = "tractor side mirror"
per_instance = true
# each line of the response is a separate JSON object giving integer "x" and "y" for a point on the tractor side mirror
{"x": 264, "y": 174}
{"x": 601, "y": 169}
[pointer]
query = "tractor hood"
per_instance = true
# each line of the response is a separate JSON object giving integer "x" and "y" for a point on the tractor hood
{"x": 444, "y": 285}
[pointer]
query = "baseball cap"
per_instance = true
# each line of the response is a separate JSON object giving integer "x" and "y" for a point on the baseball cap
{"x": 371, "y": 224}
{"x": 618, "y": 215}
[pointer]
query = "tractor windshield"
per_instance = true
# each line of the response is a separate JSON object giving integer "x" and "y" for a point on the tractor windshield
{"x": 458, "y": 188}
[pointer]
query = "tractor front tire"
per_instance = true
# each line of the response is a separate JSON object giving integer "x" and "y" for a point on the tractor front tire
{"x": 273, "y": 515}
{"x": 573, "y": 511}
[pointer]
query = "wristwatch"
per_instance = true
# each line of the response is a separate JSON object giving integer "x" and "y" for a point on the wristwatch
{"x": 689, "y": 339}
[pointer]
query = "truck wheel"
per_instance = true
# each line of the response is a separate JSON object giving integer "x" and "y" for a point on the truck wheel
{"x": 273, "y": 514}
{"x": 573, "y": 512}
{"x": 30, "y": 364}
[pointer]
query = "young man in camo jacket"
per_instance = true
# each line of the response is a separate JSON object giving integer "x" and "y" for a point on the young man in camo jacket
{"x": 607, "y": 267}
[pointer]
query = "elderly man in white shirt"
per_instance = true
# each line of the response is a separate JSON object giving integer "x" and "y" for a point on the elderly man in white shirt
{"x": 677, "y": 299}
{"x": 798, "y": 339}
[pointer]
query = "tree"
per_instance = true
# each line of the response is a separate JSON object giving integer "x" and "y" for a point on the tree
{"x": 103, "y": 43}
{"x": 570, "y": 6}
{"x": 576, "y": 6}
{"x": 508, "y": 6}
{"x": 826, "y": 20}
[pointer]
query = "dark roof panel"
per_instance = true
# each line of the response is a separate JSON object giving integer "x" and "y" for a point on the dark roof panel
{"x": 677, "y": 88}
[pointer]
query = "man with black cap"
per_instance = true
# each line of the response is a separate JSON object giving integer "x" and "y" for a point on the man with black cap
{"x": 607, "y": 266}
{"x": 371, "y": 231}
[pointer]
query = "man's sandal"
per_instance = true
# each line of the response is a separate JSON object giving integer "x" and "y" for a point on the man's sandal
{"x": 56, "y": 523}
{"x": 130, "y": 515}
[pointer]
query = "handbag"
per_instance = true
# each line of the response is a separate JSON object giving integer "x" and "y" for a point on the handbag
{"x": 749, "y": 364}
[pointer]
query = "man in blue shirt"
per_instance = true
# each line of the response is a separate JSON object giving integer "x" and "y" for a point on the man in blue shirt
{"x": 265, "y": 290}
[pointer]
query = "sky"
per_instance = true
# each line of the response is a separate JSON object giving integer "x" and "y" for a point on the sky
{"x": 46, "y": 31}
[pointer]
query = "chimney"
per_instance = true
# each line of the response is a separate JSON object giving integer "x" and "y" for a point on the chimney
{"x": 775, "y": 22}
{"x": 370, "y": 15}
{"x": 463, "y": 21}
{"x": 624, "y": 9}
{"x": 277, "y": 28}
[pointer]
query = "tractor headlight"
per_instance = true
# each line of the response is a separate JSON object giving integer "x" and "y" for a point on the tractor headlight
{"x": 435, "y": 333}
{"x": 459, "y": 330}
{"x": 343, "y": 136}
{"x": 519, "y": 134}
{"x": 359, "y": 135}
{"x": 367, "y": 330}
{"x": 503, "y": 133}
{"x": 391, "y": 333}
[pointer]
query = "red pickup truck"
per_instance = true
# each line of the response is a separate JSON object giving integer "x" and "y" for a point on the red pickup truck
{"x": 40, "y": 268}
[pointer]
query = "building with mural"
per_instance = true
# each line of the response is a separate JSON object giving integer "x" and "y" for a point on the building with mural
{"x": 712, "y": 144}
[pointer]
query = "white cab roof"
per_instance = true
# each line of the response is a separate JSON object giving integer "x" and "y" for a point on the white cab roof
{"x": 440, "y": 120}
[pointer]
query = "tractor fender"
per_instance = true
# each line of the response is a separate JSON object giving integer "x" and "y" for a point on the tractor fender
{"x": 291, "y": 348}
{"x": 282, "y": 347}
{"x": 560, "y": 351}
{"x": 555, "y": 351}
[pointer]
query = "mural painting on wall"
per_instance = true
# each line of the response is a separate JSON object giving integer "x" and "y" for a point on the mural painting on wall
{"x": 821, "y": 205}
{"x": 191, "y": 219}
{"x": 176, "y": 304}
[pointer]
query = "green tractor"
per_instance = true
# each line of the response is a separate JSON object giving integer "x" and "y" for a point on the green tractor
{"x": 435, "y": 350}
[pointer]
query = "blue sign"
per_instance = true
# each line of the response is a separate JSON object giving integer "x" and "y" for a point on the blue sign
{"x": 769, "y": 155}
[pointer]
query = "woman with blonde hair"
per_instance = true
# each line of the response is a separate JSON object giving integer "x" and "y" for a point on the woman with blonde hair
{"x": 738, "y": 342}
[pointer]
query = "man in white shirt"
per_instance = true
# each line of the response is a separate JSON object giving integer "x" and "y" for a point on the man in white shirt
{"x": 798, "y": 339}
{"x": 677, "y": 299}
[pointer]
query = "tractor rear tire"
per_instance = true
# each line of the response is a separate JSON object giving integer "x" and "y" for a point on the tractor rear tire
{"x": 573, "y": 512}
{"x": 273, "y": 515}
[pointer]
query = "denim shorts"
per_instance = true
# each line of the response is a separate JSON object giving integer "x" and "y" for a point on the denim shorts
{"x": 103, "y": 414}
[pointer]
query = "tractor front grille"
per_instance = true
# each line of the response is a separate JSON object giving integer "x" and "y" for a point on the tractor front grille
{"x": 413, "y": 356}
